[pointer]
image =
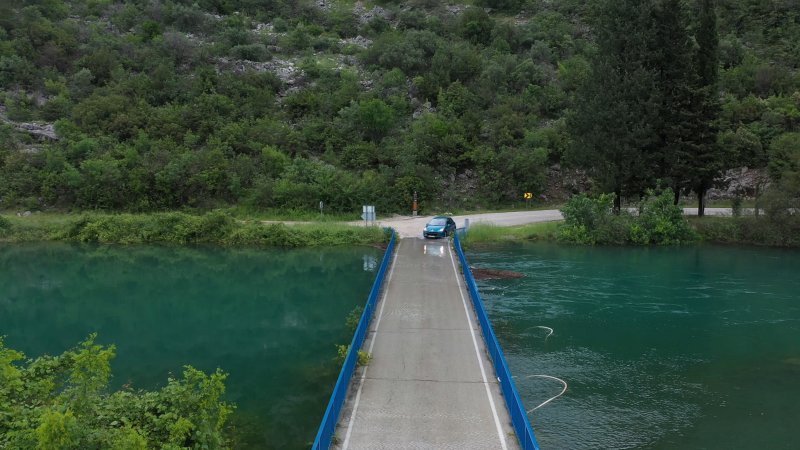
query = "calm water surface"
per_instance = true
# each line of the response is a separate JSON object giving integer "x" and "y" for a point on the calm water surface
{"x": 695, "y": 347}
{"x": 270, "y": 318}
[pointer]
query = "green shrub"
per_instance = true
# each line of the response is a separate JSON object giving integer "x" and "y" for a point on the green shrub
{"x": 351, "y": 323}
{"x": 364, "y": 357}
{"x": 587, "y": 211}
{"x": 61, "y": 402}
{"x": 591, "y": 221}
{"x": 736, "y": 206}
{"x": 660, "y": 221}
{"x": 585, "y": 219}
{"x": 280, "y": 25}
{"x": 251, "y": 52}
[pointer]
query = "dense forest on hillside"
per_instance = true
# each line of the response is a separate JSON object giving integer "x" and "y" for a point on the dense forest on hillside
{"x": 144, "y": 105}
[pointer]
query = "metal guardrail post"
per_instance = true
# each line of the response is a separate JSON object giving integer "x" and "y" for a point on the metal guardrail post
{"x": 519, "y": 417}
{"x": 331, "y": 417}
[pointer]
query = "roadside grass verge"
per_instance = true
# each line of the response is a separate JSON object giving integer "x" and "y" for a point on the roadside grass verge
{"x": 290, "y": 215}
{"x": 483, "y": 232}
{"x": 180, "y": 228}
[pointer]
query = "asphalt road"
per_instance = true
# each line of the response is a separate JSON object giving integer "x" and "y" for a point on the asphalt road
{"x": 429, "y": 384}
{"x": 408, "y": 226}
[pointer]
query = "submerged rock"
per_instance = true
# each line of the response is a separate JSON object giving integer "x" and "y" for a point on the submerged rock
{"x": 495, "y": 274}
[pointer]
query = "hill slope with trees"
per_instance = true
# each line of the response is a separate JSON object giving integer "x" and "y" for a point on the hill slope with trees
{"x": 166, "y": 104}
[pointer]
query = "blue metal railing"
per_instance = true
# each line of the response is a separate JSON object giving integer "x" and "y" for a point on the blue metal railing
{"x": 331, "y": 417}
{"x": 519, "y": 417}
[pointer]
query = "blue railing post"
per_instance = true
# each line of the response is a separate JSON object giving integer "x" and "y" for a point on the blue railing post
{"x": 519, "y": 417}
{"x": 328, "y": 425}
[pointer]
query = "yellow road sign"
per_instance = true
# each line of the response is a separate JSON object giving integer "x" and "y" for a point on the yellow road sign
{"x": 528, "y": 196}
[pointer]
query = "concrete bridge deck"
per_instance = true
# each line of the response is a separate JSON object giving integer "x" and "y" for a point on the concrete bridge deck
{"x": 430, "y": 383}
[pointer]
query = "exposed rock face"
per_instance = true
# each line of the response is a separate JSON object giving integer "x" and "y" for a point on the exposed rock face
{"x": 455, "y": 9}
{"x": 741, "y": 182}
{"x": 44, "y": 131}
{"x": 359, "y": 41}
{"x": 423, "y": 109}
{"x": 364, "y": 15}
{"x": 264, "y": 28}
{"x": 324, "y": 5}
{"x": 562, "y": 183}
{"x": 286, "y": 70}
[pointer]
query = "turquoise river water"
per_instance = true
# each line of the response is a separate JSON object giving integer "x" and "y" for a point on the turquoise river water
{"x": 270, "y": 318}
{"x": 695, "y": 347}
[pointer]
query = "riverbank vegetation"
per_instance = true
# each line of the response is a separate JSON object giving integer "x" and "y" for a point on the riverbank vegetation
{"x": 748, "y": 230}
{"x": 655, "y": 220}
{"x": 181, "y": 228}
{"x": 64, "y": 402}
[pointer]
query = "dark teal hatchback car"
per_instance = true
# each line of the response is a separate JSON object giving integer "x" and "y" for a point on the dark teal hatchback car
{"x": 439, "y": 226}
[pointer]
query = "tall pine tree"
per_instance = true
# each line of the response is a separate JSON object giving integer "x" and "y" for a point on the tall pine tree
{"x": 705, "y": 165}
{"x": 671, "y": 53}
{"x": 613, "y": 123}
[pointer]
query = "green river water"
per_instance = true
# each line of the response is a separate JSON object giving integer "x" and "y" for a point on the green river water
{"x": 695, "y": 347}
{"x": 270, "y": 318}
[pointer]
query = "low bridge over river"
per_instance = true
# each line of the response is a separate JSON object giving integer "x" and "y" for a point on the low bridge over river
{"x": 437, "y": 378}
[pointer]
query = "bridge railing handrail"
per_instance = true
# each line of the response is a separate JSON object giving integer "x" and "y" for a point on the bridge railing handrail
{"x": 519, "y": 417}
{"x": 328, "y": 425}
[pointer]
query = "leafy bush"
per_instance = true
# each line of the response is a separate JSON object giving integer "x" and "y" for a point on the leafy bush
{"x": 588, "y": 220}
{"x": 62, "y": 402}
{"x": 364, "y": 357}
{"x": 251, "y": 52}
{"x": 351, "y": 323}
{"x": 591, "y": 221}
{"x": 660, "y": 221}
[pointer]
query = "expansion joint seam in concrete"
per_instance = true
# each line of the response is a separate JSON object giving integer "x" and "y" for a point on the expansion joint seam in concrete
{"x": 414, "y": 330}
{"x": 412, "y": 380}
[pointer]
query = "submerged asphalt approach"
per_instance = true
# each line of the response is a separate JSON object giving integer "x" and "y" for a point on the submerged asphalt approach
{"x": 430, "y": 383}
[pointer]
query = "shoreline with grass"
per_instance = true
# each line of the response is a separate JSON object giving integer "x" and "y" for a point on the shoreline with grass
{"x": 655, "y": 221}
{"x": 217, "y": 228}
{"x": 711, "y": 230}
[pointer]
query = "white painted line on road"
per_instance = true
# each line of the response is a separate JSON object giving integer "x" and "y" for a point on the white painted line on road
{"x": 371, "y": 346}
{"x": 478, "y": 354}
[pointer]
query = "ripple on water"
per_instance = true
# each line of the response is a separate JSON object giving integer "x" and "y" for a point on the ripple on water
{"x": 609, "y": 403}
{"x": 661, "y": 348}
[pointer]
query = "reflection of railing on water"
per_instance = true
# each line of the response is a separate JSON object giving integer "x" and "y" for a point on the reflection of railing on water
{"x": 519, "y": 417}
{"x": 328, "y": 425}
